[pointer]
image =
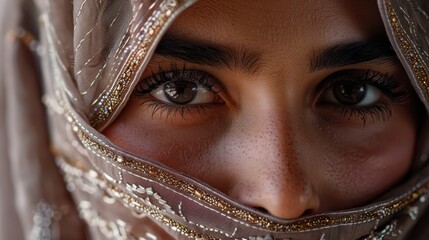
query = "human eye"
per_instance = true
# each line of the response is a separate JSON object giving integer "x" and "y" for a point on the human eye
{"x": 357, "y": 94}
{"x": 183, "y": 91}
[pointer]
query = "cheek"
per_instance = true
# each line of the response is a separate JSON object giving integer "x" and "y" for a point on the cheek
{"x": 183, "y": 148}
{"x": 362, "y": 164}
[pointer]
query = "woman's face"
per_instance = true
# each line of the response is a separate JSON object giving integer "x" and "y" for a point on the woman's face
{"x": 291, "y": 107}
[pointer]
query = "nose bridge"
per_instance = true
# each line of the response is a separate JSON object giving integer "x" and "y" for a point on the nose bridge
{"x": 272, "y": 177}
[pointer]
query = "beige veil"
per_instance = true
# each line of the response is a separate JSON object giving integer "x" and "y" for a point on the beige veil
{"x": 67, "y": 70}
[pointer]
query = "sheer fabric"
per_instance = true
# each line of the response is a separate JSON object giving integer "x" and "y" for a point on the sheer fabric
{"x": 69, "y": 67}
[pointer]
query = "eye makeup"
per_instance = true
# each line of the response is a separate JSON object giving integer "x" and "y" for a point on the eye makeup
{"x": 361, "y": 94}
{"x": 179, "y": 91}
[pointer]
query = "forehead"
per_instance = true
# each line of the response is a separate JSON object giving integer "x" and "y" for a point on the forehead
{"x": 280, "y": 22}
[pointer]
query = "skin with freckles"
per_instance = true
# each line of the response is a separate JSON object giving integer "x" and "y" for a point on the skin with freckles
{"x": 288, "y": 107}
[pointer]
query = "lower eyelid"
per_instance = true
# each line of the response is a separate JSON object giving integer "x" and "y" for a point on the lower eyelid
{"x": 394, "y": 91}
{"x": 187, "y": 115}
{"x": 380, "y": 112}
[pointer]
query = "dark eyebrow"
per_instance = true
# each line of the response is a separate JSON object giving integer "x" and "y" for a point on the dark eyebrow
{"x": 204, "y": 53}
{"x": 352, "y": 53}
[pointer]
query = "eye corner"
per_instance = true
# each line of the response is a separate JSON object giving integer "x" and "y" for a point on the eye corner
{"x": 359, "y": 94}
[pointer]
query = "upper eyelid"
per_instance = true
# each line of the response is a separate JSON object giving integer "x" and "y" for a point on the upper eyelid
{"x": 158, "y": 78}
{"x": 385, "y": 82}
{"x": 365, "y": 76}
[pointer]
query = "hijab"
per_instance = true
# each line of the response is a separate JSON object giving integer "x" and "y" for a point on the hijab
{"x": 68, "y": 69}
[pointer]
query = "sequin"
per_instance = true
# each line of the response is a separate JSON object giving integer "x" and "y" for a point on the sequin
{"x": 110, "y": 103}
{"x": 409, "y": 51}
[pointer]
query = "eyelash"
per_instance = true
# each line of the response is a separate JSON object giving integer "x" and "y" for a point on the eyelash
{"x": 172, "y": 111}
{"x": 387, "y": 84}
{"x": 178, "y": 74}
{"x": 157, "y": 79}
{"x": 382, "y": 111}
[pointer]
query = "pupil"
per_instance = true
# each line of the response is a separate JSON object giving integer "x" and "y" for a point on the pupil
{"x": 349, "y": 93}
{"x": 180, "y": 92}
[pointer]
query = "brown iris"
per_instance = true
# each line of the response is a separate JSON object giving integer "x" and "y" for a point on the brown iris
{"x": 180, "y": 92}
{"x": 349, "y": 93}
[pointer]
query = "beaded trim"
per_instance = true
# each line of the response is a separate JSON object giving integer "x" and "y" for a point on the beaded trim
{"x": 113, "y": 100}
{"x": 44, "y": 218}
{"x": 74, "y": 172}
{"x": 409, "y": 51}
{"x": 110, "y": 102}
{"x": 198, "y": 193}
{"x": 130, "y": 201}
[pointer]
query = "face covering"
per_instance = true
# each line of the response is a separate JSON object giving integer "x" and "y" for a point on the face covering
{"x": 69, "y": 68}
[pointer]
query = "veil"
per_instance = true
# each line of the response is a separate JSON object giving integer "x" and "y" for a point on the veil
{"x": 68, "y": 69}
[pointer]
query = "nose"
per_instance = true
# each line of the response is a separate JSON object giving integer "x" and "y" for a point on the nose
{"x": 272, "y": 176}
{"x": 279, "y": 196}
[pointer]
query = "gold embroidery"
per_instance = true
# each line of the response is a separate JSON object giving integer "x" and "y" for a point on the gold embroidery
{"x": 44, "y": 218}
{"x": 113, "y": 100}
{"x": 109, "y": 103}
{"x": 117, "y": 229}
{"x": 315, "y": 222}
{"x": 94, "y": 180}
{"x": 110, "y": 229}
{"x": 209, "y": 229}
{"x": 410, "y": 53}
{"x": 149, "y": 191}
